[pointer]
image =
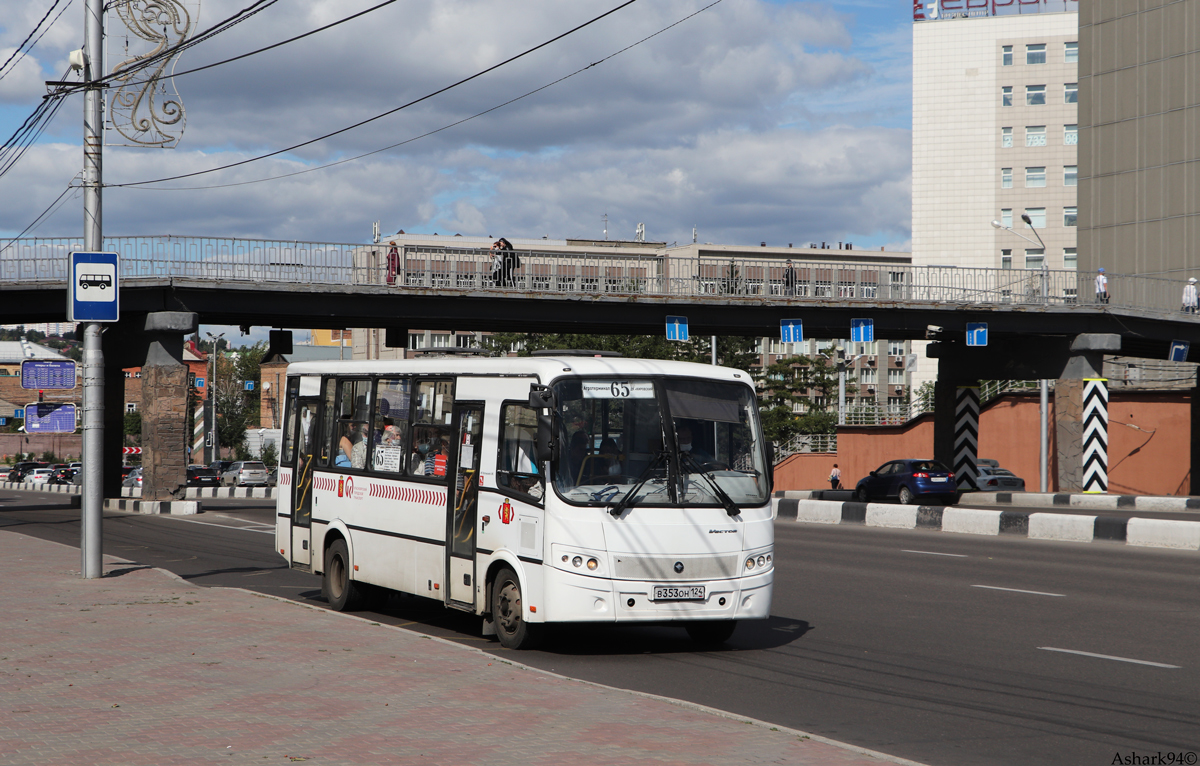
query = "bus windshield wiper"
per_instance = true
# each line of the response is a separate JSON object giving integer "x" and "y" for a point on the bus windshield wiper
{"x": 731, "y": 507}
{"x": 628, "y": 496}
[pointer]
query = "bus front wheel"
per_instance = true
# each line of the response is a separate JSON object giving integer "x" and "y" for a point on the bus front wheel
{"x": 342, "y": 593}
{"x": 508, "y": 613}
{"x": 711, "y": 633}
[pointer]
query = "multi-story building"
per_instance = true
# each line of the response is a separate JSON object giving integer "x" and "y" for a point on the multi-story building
{"x": 995, "y": 134}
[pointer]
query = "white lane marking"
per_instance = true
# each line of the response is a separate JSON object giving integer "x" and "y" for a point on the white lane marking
{"x": 935, "y": 553}
{"x": 1017, "y": 590}
{"x": 227, "y": 526}
{"x": 1111, "y": 657}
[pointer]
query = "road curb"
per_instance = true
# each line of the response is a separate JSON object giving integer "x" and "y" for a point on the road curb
{"x": 153, "y": 507}
{"x": 1141, "y": 532}
{"x": 1042, "y": 499}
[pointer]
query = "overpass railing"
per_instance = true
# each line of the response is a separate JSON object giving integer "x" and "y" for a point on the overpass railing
{"x": 598, "y": 271}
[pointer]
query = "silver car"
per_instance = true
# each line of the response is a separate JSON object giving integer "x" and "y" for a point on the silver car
{"x": 996, "y": 479}
{"x": 245, "y": 473}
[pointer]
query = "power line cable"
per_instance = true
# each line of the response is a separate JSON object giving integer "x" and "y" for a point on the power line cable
{"x": 388, "y": 112}
{"x": 432, "y": 132}
{"x": 33, "y": 32}
{"x": 45, "y": 214}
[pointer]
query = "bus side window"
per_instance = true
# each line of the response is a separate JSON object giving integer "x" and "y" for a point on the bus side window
{"x": 433, "y": 409}
{"x": 352, "y": 439}
{"x": 516, "y": 468}
{"x": 289, "y": 422}
{"x": 328, "y": 422}
{"x": 389, "y": 430}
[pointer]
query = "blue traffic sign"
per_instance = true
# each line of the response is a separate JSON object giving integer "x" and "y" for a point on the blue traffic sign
{"x": 50, "y": 418}
{"x": 977, "y": 333}
{"x": 199, "y": 382}
{"x": 791, "y": 331}
{"x": 677, "y": 328}
{"x": 92, "y": 285}
{"x": 40, "y": 374}
{"x": 1179, "y": 350}
{"x": 249, "y": 385}
{"x": 18, "y": 412}
{"x": 862, "y": 330}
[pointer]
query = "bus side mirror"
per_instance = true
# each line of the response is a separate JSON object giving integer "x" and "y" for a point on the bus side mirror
{"x": 542, "y": 401}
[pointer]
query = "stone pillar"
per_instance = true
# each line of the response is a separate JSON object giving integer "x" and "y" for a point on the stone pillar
{"x": 1086, "y": 361}
{"x": 166, "y": 432}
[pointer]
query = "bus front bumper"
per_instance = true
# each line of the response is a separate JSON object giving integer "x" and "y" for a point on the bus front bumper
{"x": 574, "y": 597}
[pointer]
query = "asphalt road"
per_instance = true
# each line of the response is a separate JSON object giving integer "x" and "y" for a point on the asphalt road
{"x": 941, "y": 648}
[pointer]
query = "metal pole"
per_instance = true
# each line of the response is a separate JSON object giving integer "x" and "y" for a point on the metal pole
{"x": 91, "y": 535}
{"x": 1044, "y": 453}
{"x": 714, "y": 349}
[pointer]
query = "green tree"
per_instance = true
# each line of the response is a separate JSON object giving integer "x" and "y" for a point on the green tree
{"x": 269, "y": 455}
{"x": 237, "y": 408}
{"x": 809, "y": 381}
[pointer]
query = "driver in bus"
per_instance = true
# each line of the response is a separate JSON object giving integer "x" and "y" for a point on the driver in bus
{"x": 684, "y": 433}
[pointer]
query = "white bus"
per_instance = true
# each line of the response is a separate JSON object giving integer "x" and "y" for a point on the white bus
{"x": 532, "y": 490}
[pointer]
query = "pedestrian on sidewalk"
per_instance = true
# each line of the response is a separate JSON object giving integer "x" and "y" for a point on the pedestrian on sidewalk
{"x": 835, "y": 477}
{"x": 1189, "y": 296}
{"x": 1101, "y": 286}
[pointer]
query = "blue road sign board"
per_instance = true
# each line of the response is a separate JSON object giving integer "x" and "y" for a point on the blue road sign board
{"x": 862, "y": 330}
{"x": 48, "y": 373}
{"x": 677, "y": 328}
{"x": 791, "y": 331}
{"x": 199, "y": 382}
{"x": 249, "y": 385}
{"x": 976, "y": 333}
{"x": 18, "y": 412}
{"x": 50, "y": 418}
{"x": 1179, "y": 350}
{"x": 92, "y": 286}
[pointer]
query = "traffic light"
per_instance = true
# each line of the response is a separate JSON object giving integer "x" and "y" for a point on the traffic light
{"x": 41, "y": 396}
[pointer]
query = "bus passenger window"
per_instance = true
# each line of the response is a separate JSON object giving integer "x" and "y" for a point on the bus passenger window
{"x": 289, "y": 422}
{"x": 516, "y": 468}
{"x": 352, "y": 436}
{"x": 433, "y": 413}
{"x": 328, "y": 421}
{"x": 390, "y": 429}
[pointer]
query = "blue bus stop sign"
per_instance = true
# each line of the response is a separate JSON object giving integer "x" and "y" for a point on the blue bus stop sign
{"x": 93, "y": 282}
{"x": 977, "y": 334}
{"x": 791, "y": 331}
{"x": 677, "y": 328}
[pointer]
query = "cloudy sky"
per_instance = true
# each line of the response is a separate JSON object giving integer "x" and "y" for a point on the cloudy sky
{"x": 752, "y": 121}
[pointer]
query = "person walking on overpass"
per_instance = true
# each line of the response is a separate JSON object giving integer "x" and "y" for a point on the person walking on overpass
{"x": 789, "y": 279}
{"x": 1101, "y": 286}
{"x": 1189, "y": 296}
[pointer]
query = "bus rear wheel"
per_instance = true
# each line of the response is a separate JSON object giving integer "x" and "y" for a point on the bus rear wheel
{"x": 508, "y": 613}
{"x": 711, "y": 633}
{"x": 342, "y": 593}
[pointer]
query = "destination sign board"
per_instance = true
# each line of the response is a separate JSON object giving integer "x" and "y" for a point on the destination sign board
{"x": 39, "y": 374}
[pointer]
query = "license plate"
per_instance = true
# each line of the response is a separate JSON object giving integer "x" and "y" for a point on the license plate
{"x": 938, "y": 478}
{"x": 675, "y": 593}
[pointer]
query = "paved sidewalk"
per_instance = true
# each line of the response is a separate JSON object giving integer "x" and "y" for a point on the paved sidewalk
{"x": 140, "y": 667}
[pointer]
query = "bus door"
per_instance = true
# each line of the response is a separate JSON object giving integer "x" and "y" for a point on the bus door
{"x": 463, "y": 506}
{"x": 307, "y": 429}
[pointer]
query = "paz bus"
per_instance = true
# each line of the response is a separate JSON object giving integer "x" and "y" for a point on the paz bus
{"x": 532, "y": 490}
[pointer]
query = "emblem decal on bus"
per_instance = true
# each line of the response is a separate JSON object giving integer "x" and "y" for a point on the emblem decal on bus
{"x": 506, "y": 513}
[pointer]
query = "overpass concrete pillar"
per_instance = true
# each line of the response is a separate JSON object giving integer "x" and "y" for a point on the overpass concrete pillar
{"x": 165, "y": 424}
{"x": 956, "y": 423}
{"x": 1081, "y": 415}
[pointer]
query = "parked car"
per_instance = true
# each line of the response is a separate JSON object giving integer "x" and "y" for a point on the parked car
{"x": 201, "y": 476}
{"x": 20, "y": 469}
{"x": 273, "y": 477}
{"x": 134, "y": 479}
{"x": 38, "y": 476}
{"x": 245, "y": 473}
{"x": 908, "y": 481}
{"x": 220, "y": 466}
{"x": 63, "y": 475}
{"x": 126, "y": 470}
{"x": 76, "y": 466}
{"x": 996, "y": 479}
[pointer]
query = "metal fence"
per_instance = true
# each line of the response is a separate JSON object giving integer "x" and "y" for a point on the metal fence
{"x": 597, "y": 271}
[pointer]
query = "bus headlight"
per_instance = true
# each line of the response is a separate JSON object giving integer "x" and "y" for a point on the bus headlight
{"x": 577, "y": 561}
{"x": 762, "y": 561}
{"x": 593, "y": 563}
{"x": 749, "y": 563}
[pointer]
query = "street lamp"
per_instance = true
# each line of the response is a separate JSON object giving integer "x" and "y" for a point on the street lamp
{"x": 1043, "y": 384}
{"x": 212, "y": 394}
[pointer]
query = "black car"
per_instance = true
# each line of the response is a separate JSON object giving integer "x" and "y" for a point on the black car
{"x": 63, "y": 475}
{"x": 199, "y": 476}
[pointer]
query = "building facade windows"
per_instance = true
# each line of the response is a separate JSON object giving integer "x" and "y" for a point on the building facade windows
{"x": 1006, "y": 138}
{"x": 1071, "y": 93}
{"x": 1035, "y": 54}
{"x": 1070, "y": 214}
{"x": 895, "y": 377}
{"x": 1069, "y": 258}
{"x": 1035, "y": 177}
{"x": 1006, "y": 217}
{"x": 1006, "y": 259}
{"x": 896, "y": 348}
{"x": 1035, "y": 95}
{"x": 1071, "y": 53}
{"x": 1035, "y": 135}
{"x": 1035, "y": 258}
{"x": 1070, "y": 135}
{"x": 1037, "y": 217}
{"x": 1070, "y": 175}
{"x": 1005, "y": 178}
{"x": 1006, "y": 96}
{"x": 1006, "y": 56}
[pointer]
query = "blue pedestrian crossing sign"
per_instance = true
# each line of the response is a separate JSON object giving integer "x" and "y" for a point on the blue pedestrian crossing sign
{"x": 92, "y": 286}
{"x": 1179, "y": 350}
{"x": 976, "y": 333}
{"x": 677, "y": 328}
{"x": 862, "y": 330}
{"x": 791, "y": 331}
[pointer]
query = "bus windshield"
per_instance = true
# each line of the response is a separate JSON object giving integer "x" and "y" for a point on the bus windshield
{"x": 669, "y": 439}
